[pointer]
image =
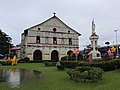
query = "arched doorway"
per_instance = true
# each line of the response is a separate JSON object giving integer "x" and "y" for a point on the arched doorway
{"x": 37, "y": 55}
{"x": 54, "y": 55}
{"x": 70, "y": 53}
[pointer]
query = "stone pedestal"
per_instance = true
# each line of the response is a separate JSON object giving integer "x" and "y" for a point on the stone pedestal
{"x": 95, "y": 55}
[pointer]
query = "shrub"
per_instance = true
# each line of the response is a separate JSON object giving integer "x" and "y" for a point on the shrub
{"x": 85, "y": 73}
{"x": 6, "y": 62}
{"x": 81, "y": 75}
{"x": 60, "y": 67}
{"x": 95, "y": 73}
{"x": 98, "y": 72}
{"x": 21, "y": 61}
{"x": 26, "y": 59}
{"x": 64, "y": 58}
{"x": 48, "y": 64}
{"x": 68, "y": 58}
{"x": 70, "y": 72}
{"x": 83, "y": 68}
{"x": 69, "y": 64}
{"x": 105, "y": 65}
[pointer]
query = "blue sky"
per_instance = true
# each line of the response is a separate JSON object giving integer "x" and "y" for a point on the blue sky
{"x": 17, "y": 15}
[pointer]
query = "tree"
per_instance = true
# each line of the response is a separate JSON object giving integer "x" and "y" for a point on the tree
{"x": 5, "y": 43}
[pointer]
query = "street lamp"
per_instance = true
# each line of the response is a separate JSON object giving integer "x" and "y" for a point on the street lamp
{"x": 116, "y": 42}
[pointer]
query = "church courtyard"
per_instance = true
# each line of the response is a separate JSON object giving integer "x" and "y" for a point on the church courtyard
{"x": 53, "y": 79}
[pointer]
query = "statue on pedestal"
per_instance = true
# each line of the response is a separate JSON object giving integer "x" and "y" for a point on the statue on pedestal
{"x": 94, "y": 54}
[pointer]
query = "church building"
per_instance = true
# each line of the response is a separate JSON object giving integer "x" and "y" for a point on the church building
{"x": 49, "y": 40}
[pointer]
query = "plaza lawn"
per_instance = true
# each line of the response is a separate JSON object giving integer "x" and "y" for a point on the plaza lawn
{"x": 59, "y": 80}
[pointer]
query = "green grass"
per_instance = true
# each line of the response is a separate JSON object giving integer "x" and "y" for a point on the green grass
{"x": 59, "y": 80}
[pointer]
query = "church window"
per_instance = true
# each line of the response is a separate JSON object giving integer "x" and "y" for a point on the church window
{"x": 46, "y": 40}
{"x": 54, "y": 29}
{"x": 38, "y": 28}
{"x": 62, "y": 41}
{"x": 38, "y": 39}
{"x": 54, "y": 40}
{"x": 70, "y": 41}
{"x": 68, "y": 31}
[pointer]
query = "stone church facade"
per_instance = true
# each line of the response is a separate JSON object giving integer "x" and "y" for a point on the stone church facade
{"x": 49, "y": 40}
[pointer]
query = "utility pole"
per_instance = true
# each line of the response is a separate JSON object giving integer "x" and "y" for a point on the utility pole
{"x": 9, "y": 45}
{"x": 116, "y": 42}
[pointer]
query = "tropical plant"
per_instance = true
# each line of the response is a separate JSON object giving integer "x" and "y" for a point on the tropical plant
{"x": 5, "y": 43}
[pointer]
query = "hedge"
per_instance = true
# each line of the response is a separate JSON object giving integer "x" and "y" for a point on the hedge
{"x": 6, "y": 62}
{"x": 105, "y": 65}
{"x": 48, "y": 64}
{"x": 69, "y": 64}
{"x": 24, "y": 60}
{"x": 60, "y": 67}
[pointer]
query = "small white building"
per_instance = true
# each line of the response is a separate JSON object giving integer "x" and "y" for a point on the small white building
{"x": 49, "y": 40}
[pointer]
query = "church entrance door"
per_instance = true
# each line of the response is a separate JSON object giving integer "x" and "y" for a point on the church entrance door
{"x": 37, "y": 55}
{"x": 54, "y": 55}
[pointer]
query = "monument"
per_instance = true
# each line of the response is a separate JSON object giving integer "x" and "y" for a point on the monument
{"x": 94, "y": 54}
